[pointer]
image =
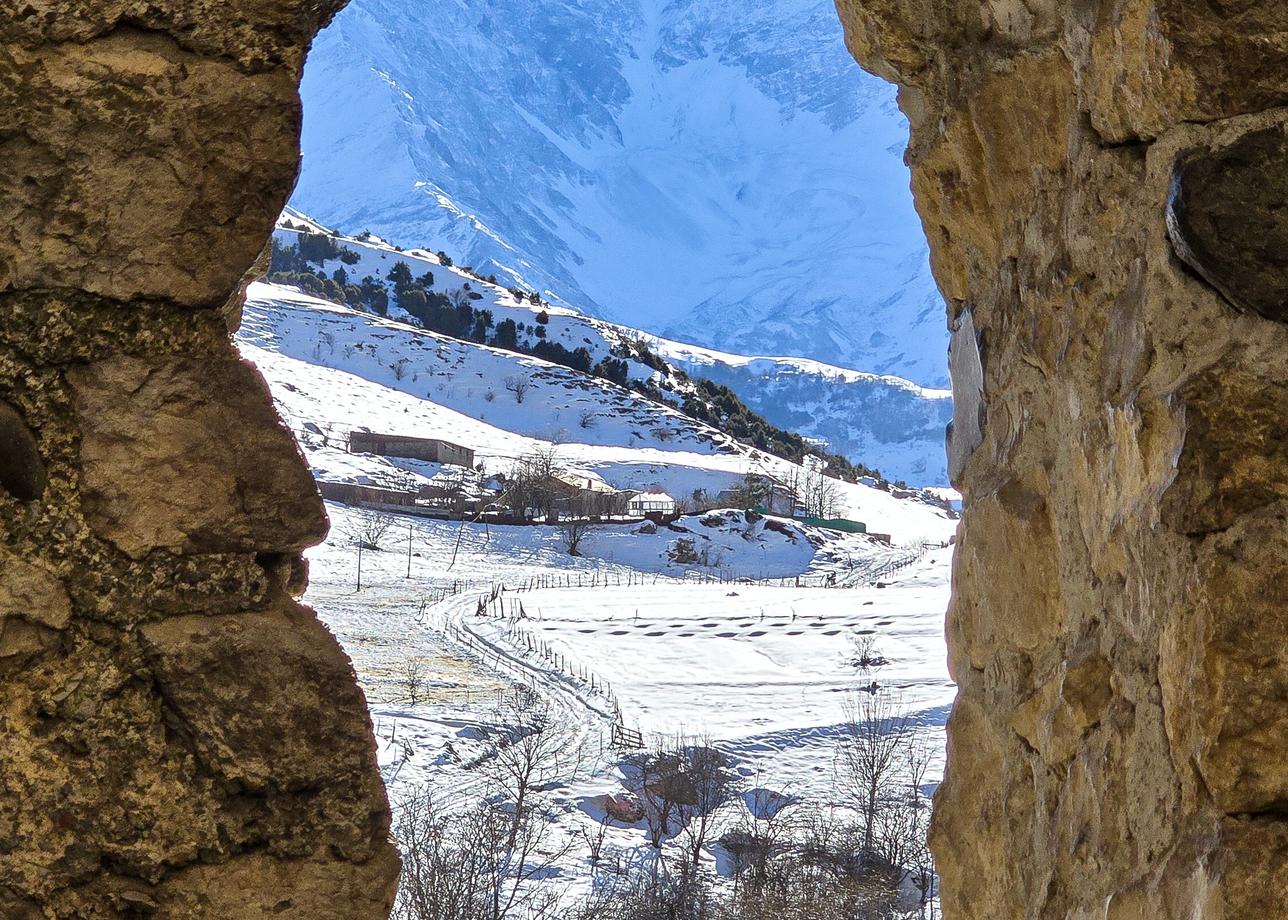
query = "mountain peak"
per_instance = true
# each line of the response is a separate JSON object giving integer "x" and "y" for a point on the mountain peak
{"x": 726, "y": 176}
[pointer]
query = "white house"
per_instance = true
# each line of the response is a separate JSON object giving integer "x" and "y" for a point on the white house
{"x": 654, "y": 501}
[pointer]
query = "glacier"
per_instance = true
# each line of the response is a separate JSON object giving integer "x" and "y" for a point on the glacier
{"x": 718, "y": 174}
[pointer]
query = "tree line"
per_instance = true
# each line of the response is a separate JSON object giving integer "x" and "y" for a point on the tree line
{"x": 453, "y": 313}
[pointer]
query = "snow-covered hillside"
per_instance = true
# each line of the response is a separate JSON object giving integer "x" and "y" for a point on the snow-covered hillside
{"x": 766, "y": 673}
{"x": 334, "y": 370}
{"x": 883, "y": 422}
{"x": 721, "y": 173}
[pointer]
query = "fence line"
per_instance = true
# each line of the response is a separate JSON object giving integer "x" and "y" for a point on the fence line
{"x": 493, "y": 603}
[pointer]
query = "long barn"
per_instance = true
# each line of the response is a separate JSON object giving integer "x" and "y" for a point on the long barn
{"x": 401, "y": 445}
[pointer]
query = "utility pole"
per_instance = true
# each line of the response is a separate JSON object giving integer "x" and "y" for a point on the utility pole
{"x": 359, "y": 588}
{"x": 409, "y": 547}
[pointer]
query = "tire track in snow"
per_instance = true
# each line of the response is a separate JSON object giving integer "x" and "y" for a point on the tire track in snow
{"x": 588, "y": 719}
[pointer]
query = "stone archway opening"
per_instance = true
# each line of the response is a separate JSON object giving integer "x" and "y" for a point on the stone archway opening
{"x": 411, "y": 241}
{"x": 1117, "y": 629}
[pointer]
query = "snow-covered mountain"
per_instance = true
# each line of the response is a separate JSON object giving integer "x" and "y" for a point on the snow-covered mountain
{"x": 882, "y": 422}
{"x": 719, "y": 173}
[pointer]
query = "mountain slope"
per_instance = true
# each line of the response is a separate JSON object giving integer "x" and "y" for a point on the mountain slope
{"x": 882, "y": 422}
{"x": 334, "y": 370}
{"x": 724, "y": 174}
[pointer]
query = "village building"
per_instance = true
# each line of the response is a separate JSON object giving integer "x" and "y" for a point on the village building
{"x": 582, "y": 496}
{"x": 762, "y": 492}
{"x": 652, "y": 503}
{"x": 366, "y": 496}
{"x": 434, "y": 450}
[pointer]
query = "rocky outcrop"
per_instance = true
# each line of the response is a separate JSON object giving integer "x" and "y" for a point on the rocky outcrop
{"x": 1103, "y": 187}
{"x": 179, "y": 738}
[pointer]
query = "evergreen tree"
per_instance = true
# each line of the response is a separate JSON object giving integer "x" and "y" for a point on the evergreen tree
{"x": 317, "y": 247}
{"x": 506, "y": 335}
{"x": 400, "y": 275}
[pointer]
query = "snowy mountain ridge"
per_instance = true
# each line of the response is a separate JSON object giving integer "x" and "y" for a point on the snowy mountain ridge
{"x": 724, "y": 175}
{"x": 880, "y": 421}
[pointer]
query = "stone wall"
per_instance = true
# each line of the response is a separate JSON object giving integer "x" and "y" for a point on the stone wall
{"x": 1104, "y": 184}
{"x": 178, "y": 737}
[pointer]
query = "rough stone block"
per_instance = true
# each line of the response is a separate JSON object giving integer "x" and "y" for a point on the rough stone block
{"x": 187, "y": 455}
{"x": 1228, "y": 219}
{"x": 261, "y": 694}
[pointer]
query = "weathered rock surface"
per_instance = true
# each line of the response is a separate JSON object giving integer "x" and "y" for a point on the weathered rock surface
{"x": 188, "y": 455}
{"x": 1103, "y": 185}
{"x": 1228, "y": 219}
{"x": 178, "y": 737}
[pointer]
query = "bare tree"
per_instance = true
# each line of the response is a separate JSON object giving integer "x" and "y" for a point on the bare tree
{"x": 366, "y": 528}
{"x": 870, "y": 761}
{"x": 518, "y": 384}
{"x": 573, "y": 533}
{"x": 324, "y": 340}
{"x": 654, "y": 777}
{"x": 867, "y": 659}
{"x": 471, "y": 865}
{"x": 594, "y": 840}
{"x": 709, "y": 782}
{"x": 823, "y": 494}
{"x": 763, "y": 832}
{"x": 915, "y": 855}
{"x": 439, "y": 880}
{"x": 412, "y": 681}
{"x": 812, "y": 490}
{"x": 538, "y": 748}
{"x": 682, "y": 786}
{"x": 532, "y": 484}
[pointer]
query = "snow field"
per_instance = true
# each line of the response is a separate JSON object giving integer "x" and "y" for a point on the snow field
{"x": 761, "y": 671}
{"x": 765, "y": 671}
{"x": 744, "y": 647}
